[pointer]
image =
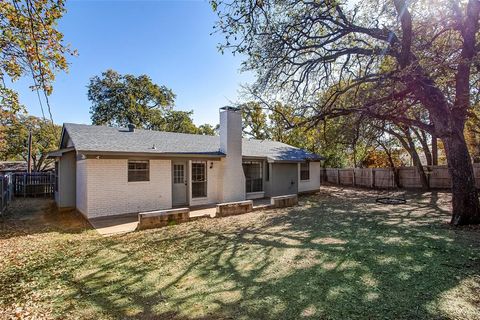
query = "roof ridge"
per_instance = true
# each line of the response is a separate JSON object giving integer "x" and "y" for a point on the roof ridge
{"x": 104, "y": 138}
{"x": 171, "y": 132}
{"x": 136, "y": 129}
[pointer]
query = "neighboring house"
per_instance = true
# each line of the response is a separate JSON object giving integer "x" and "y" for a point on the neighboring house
{"x": 109, "y": 171}
{"x": 12, "y": 167}
{"x": 18, "y": 167}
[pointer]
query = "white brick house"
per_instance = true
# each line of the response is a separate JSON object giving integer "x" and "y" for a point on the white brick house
{"x": 110, "y": 171}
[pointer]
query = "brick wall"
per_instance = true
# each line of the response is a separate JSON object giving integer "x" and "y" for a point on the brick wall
{"x": 81, "y": 184}
{"x": 110, "y": 193}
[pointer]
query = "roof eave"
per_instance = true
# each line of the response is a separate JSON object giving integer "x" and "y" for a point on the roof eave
{"x": 59, "y": 152}
{"x": 152, "y": 154}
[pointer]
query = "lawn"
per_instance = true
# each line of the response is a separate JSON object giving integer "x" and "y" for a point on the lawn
{"x": 336, "y": 256}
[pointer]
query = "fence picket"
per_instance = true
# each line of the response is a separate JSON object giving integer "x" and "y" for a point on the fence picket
{"x": 439, "y": 177}
{"x": 34, "y": 184}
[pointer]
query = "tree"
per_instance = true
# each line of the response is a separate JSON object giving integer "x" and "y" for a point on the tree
{"x": 254, "y": 121}
{"x": 177, "y": 121}
{"x": 9, "y": 108}
{"x": 208, "y": 130}
{"x": 389, "y": 56}
{"x": 118, "y": 100}
{"x": 45, "y": 138}
{"x": 472, "y": 133}
{"x": 30, "y": 44}
{"x": 404, "y": 135}
{"x": 329, "y": 138}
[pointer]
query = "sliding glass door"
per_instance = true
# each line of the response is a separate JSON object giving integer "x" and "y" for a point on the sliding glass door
{"x": 253, "y": 176}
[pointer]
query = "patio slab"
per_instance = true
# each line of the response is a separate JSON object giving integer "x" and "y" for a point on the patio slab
{"x": 119, "y": 224}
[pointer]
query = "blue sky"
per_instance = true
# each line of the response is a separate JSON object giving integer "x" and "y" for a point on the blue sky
{"x": 168, "y": 40}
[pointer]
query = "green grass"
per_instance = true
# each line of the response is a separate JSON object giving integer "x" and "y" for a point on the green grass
{"x": 337, "y": 256}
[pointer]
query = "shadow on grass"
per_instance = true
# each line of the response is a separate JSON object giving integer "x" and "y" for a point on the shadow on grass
{"x": 327, "y": 259}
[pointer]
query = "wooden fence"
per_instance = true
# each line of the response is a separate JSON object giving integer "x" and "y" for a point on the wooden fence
{"x": 408, "y": 177}
{"x": 36, "y": 184}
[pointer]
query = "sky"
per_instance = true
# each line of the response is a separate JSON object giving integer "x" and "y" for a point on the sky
{"x": 170, "y": 41}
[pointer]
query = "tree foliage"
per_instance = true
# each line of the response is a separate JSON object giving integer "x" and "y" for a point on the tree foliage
{"x": 31, "y": 44}
{"x": 255, "y": 121}
{"x": 45, "y": 138}
{"x": 118, "y": 100}
{"x": 472, "y": 133}
{"x": 344, "y": 142}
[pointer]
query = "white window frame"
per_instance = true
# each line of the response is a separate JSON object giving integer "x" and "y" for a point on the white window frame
{"x": 133, "y": 170}
{"x": 307, "y": 164}
{"x": 205, "y": 179}
{"x": 260, "y": 166}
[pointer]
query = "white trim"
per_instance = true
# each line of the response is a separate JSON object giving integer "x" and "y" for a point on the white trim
{"x": 206, "y": 179}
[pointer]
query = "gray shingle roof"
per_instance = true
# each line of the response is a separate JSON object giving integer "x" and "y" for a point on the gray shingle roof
{"x": 107, "y": 139}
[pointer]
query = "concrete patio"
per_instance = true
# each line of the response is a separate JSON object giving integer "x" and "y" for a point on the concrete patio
{"x": 119, "y": 224}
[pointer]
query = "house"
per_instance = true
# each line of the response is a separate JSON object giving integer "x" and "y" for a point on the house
{"x": 7, "y": 167}
{"x": 12, "y": 167}
{"x": 109, "y": 171}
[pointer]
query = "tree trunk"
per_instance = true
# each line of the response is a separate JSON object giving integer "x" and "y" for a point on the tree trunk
{"x": 422, "y": 137}
{"x": 416, "y": 160}
{"x": 465, "y": 203}
{"x": 396, "y": 176}
{"x": 434, "y": 150}
{"x": 409, "y": 145}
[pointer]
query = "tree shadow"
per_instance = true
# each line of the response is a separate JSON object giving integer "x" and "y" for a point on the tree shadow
{"x": 325, "y": 259}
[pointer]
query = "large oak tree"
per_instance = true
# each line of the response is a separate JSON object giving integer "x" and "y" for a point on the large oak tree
{"x": 120, "y": 99}
{"x": 389, "y": 56}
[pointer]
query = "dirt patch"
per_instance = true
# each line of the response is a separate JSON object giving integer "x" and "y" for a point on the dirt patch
{"x": 30, "y": 215}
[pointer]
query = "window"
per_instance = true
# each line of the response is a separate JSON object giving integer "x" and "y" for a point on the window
{"x": 199, "y": 179}
{"x": 253, "y": 176}
{"x": 305, "y": 171}
{"x": 138, "y": 170}
{"x": 178, "y": 173}
{"x": 267, "y": 171}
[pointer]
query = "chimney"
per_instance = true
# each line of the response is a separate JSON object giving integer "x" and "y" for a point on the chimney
{"x": 131, "y": 127}
{"x": 231, "y": 146}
